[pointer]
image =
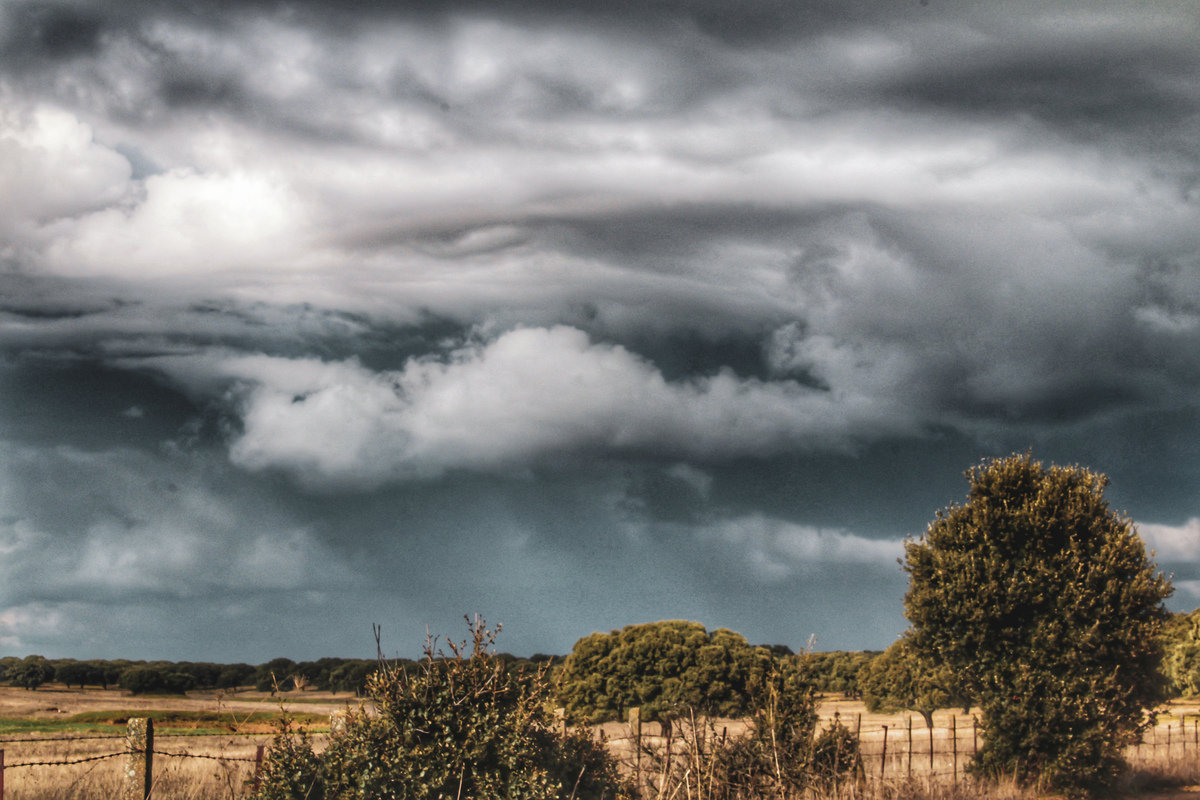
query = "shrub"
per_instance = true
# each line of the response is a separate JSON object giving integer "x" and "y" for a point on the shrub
{"x": 774, "y": 758}
{"x": 456, "y": 726}
{"x": 835, "y": 757}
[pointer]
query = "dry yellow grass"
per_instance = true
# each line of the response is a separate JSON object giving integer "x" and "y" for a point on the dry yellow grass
{"x": 225, "y": 765}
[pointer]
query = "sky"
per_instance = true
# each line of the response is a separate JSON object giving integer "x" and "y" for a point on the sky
{"x": 572, "y": 314}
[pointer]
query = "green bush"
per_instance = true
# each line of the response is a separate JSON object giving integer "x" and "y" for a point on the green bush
{"x": 835, "y": 756}
{"x": 456, "y": 726}
{"x": 774, "y": 758}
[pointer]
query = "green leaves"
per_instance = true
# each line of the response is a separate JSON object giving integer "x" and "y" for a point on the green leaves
{"x": 1046, "y": 605}
{"x": 661, "y": 667}
{"x": 453, "y": 725}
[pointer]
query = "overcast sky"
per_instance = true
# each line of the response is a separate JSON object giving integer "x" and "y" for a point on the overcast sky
{"x": 574, "y": 314}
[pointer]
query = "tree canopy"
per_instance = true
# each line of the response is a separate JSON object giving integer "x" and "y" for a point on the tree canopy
{"x": 660, "y": 667}
{"x": 1046, "y": 604}
{"x": 901, "y": 679}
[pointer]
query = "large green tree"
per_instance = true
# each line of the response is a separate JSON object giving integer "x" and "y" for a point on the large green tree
{"x": 1046, "y": 604}
{"x": 663, "y": 668}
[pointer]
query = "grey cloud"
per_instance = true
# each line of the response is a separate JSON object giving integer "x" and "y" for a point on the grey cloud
{"x": 813, "y": 260}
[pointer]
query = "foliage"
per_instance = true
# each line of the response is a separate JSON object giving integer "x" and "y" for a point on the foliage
{"x": 275, "y": 675}
{"x": 1045, "y": 602}
{"x": 773, "y": 759}
{"x": 156, "y": 680}
{"x": 30, "y": 673}
{"x": 1181, "y": 650}
{"x": 837, "y": 672}
{"x": 456, "y": 726}
{"x": 836, "y": 756}
{"x": 662, "y": 668}
{"x": 901, "y": 679}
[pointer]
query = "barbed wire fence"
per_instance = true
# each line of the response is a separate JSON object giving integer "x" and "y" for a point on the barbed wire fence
{"x": 904, "y": 750}
{"x": 894, "y": 752}
{"x": 139, "y": 749}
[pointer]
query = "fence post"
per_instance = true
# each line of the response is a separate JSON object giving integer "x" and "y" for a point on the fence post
{"x": 139, "y": 768}
{"x": 931, "y": 772}
{"x": 635, "y": 731}
{"x": 1, "y": 775}
{"x": 974, "y": 737}
{"x": 1168, "y": 741}
{"x": 883, "y": 760}
{"x": 954, "y": 748}
{"x": 909, "y": 770}
{"x": 1183, "y": 733}
{"x": 258, "y": 758}
{"x": 561, "y": 715}
{"x": 860, "y": 769}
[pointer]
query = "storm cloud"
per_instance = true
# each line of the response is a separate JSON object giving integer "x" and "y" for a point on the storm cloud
{"x": 517, "y": 291}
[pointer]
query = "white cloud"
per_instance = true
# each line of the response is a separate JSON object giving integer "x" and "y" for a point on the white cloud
{"x": 1172, "y": 542}
{"x": 50, "y": 167}
{"x": 775, "y": 549}
{"x": 529, "y": 393}
{"x": 28, "y": 621}
{"x": 188, "y": 224}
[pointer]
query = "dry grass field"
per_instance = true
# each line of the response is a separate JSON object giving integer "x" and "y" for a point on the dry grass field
{"x": 214, "y": 736}
{"x": 208, "y": 740}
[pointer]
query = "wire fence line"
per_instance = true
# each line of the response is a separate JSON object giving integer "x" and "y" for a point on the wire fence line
{"x": 139, "y": 753}
{"x": 905, "y": 749}
{"x": 899, "y": 750}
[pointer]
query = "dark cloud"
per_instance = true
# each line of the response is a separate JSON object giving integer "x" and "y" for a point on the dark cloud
{"x": 51, "y": 32}
{"x": 576, "y": 314}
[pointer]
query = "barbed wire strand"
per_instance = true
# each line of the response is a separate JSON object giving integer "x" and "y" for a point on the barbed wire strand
{"x": 198, "y": 755}
{"x": 64, "y": 738}
{"x": 63, "y": 763}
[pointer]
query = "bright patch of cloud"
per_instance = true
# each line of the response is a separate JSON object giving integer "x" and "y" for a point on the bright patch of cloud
{"x": 529, "y": 393}
{"x": 1173, "y": 542}
{"x": 50, "y": 167}
{"x": 774, "y": 549}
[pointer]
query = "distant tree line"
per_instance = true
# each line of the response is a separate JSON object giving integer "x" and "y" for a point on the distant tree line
{"x": 673, "y": 663}
{"x": 170, "y": 677}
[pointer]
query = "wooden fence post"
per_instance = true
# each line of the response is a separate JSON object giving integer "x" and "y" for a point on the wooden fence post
{"x": 908, "y": 771}
{"x": 139, "y": 766}
{"x": 954, "y": 748}
{"x": 258, "y": 759}
{"x": 931, "y": 772}
{"x": 635, "y": 732}
{"x": 883, "y": 760}
{"x": 974, "y": 737}
{"x": 1168, "y": 741}
{"x": 860, "y": 769}
{"x": 1, "y": 775}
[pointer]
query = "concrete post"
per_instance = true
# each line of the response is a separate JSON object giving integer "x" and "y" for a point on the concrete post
{"x": 139, "y": 766}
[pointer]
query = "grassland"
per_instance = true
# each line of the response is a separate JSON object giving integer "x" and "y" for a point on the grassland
{"x": 210, "y": 740}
